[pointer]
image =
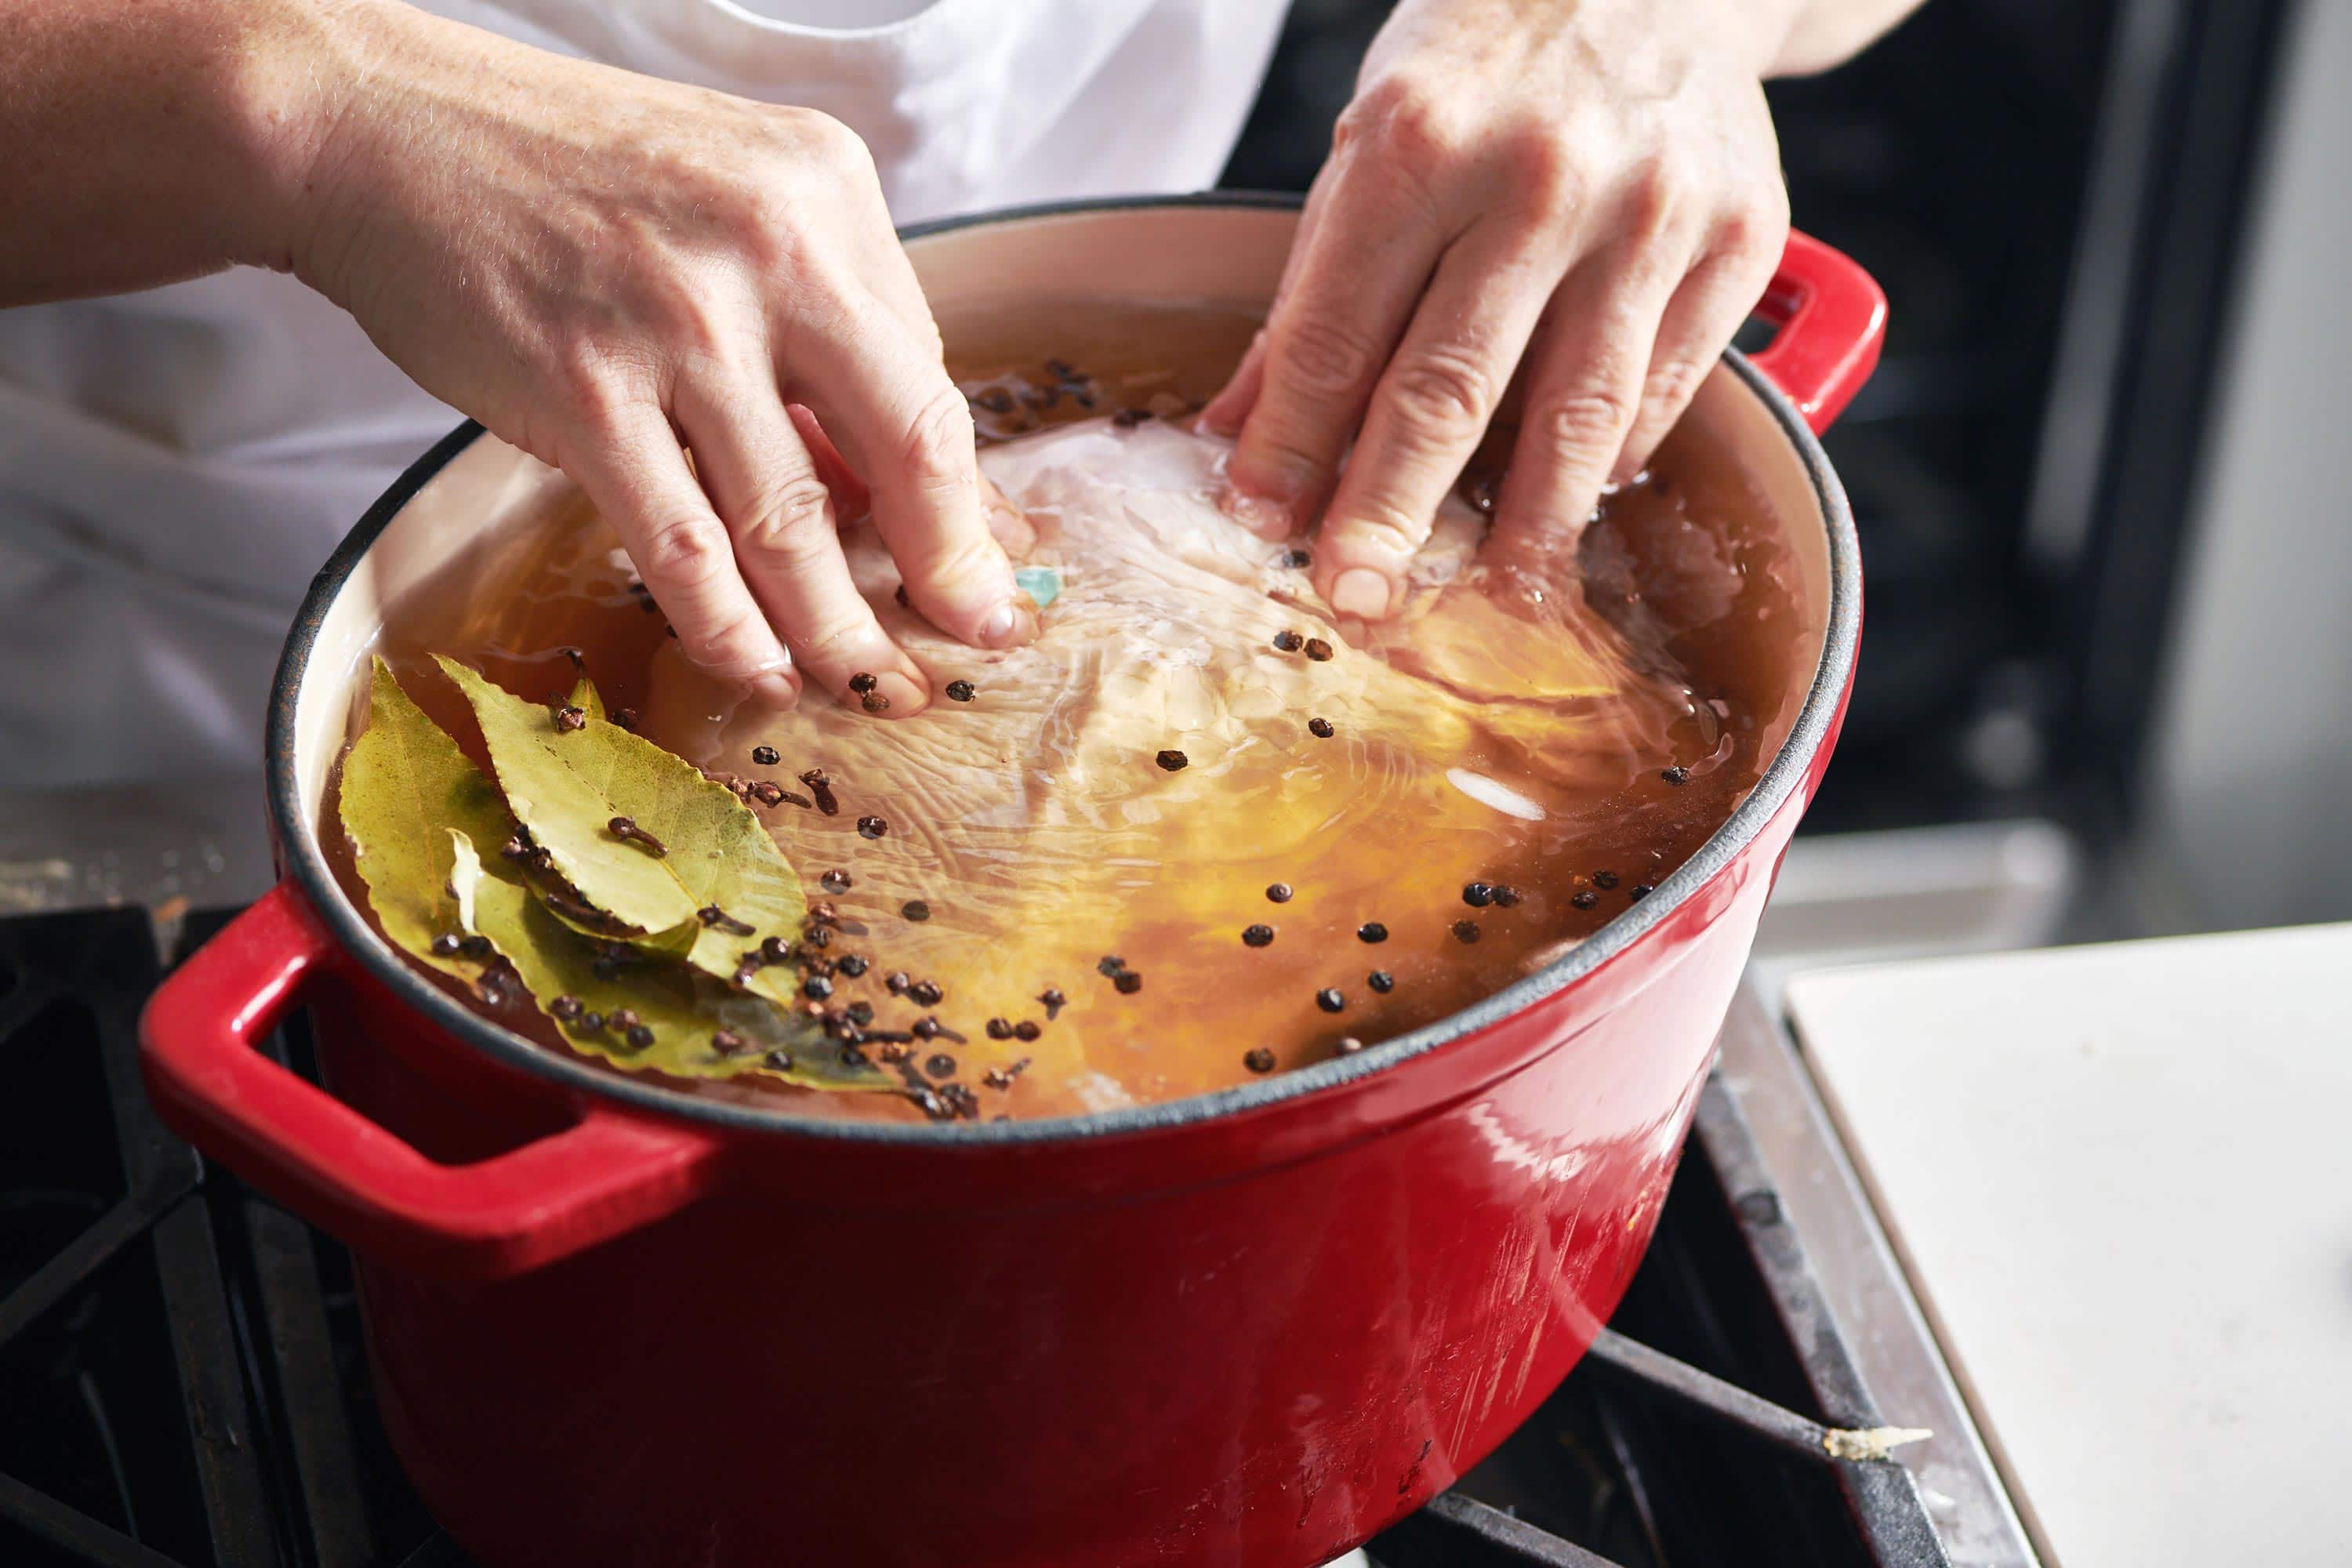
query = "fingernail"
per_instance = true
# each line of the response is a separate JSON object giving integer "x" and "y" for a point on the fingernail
{"x": 1267, "y": 519}
{"x": 1004, "y": 625}
{"x": 895, "y": 696}
{"x": 776, "y": 690}
{"x": 1361, "y": 591}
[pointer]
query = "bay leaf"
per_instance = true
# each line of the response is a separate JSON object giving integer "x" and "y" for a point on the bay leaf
{"x": 684, "y": 1010}
{"x": 560, "y": 787}
{"x": 405, "y": 787}
{"x": 716, "y": 850}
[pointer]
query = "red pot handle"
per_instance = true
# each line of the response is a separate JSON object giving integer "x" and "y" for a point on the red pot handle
{"x": 1833, "y": 320}
{"x": 610, "y": 1172}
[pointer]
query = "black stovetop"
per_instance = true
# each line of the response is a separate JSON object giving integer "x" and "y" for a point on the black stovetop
{"x": 182, "y": 1383}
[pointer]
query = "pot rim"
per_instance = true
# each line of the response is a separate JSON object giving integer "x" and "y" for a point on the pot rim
{"x": 306, "y": 864}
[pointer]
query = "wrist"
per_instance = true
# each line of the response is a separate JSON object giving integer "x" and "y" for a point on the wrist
{"x": 284, "y": 85}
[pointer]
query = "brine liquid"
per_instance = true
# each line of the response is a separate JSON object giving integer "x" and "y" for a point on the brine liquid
{"x": 1374, "y": 831}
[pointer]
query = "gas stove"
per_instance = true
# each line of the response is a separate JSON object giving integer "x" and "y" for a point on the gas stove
{"x": 182, "y": 1380}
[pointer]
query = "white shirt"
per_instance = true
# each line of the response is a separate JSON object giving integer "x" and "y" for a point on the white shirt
{"x": 174, "y": 464}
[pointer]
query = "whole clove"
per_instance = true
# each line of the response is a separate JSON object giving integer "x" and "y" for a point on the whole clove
{"x": 627, "y": 828}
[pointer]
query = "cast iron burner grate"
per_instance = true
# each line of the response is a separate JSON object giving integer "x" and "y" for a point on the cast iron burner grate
{"x": 182, "y": 1383}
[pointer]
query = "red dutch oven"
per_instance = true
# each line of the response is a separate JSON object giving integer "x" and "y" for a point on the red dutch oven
{"x": 614, "y": 1324}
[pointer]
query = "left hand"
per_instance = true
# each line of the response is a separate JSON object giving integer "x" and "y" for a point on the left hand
{"x": 1585, "y": 195}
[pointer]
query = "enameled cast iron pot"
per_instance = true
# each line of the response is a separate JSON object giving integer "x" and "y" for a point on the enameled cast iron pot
{"x": 612, "y": 1324}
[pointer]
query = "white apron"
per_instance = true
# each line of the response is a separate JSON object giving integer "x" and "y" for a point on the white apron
{"x": 176, "y": 464}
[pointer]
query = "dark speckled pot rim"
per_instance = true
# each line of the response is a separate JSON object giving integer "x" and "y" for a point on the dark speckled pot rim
{"x": 307, "y": 866}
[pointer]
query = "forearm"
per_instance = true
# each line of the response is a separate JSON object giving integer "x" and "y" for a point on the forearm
{"x": 154, "y": 140}
{"x": 1825, "y": 33}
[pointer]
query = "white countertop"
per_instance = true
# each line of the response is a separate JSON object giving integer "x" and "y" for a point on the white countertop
{"x": 2120, "y": 1178}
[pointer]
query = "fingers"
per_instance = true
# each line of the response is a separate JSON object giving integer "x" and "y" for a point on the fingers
{"x": 887, "y": 403}
{"x": 1427, "y": 414}
{"x": 1224, "y": 414}
{"x": 636, "y": 474}
{"x": 767, "y": 486}
{"x": 1585, "y": 375}
{"x": 1707, "y": 309}
{"x": 1360, "y": 270}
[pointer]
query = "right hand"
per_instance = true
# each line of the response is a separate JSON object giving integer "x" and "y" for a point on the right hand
{"x": 609, "y": 270}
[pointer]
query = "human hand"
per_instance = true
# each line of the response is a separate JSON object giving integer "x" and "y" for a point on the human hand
{"x": 1584, "y": 196}
{"x": 611, "y": 271}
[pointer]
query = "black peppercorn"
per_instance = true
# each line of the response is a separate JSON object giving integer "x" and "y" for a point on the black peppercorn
{"x": 1371, "y": 930}
{"x": 1172, "y": 760}
{"x": 590, "y": 1023}
{"x": 851, "y": 964}
{"x": 1128, "y": 981}
{"x": 925, "y": 993}
{"x": 1479, "y": 895}
{"x": 915, "y": 910}
{"x": 640, "y": 1037}
{"x": 624, "y": 1019}
{"x": 565, "y": 1008}
{"x": 1604, "y": 880}
{"x": 940, "y": 1066}
{"x": 1506, "y": 896}
{"x": 775, "y": 950}
{"x": 1381, "y": 981}
{"x": 862, "y": 683}
{"x": 1026, "y": 1029}
{"x": 1319, "y": 728}
{"x": 875, "y": 702}
{"x": 1465, "y": 930}
{"x": 1297, "y": 559}
{"x": 1642, "y": 891}
{"x": 836, "y": 881}
{"x": 1289, "y": 642}
{"x": 1329, "y": 999}
{"x": 1584, "y": 898}
{"x": 626, "y": 718}
{"x": 1677, "y": 774}
{"x": 959, "y": 691}
{"x": 766, "y": 756}
{"x": 1280, "y": 892}
{"x": 1318, "y": 650}
{"x": 816, "y": 988}
{"x": 475, "y": 946}
{"x": 872, "y": 826}
{"x": 897, "y": 982}
{"x": 1110, "y": 964}
{"x": 999, "y": 1028}
{"x": 1259, "y": 1060}
{"x": 1258, "y": 935}
{"x": 924, "y": 1029}
{"x": 446, "y": 945}
{"x": 727, "y": 1043}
